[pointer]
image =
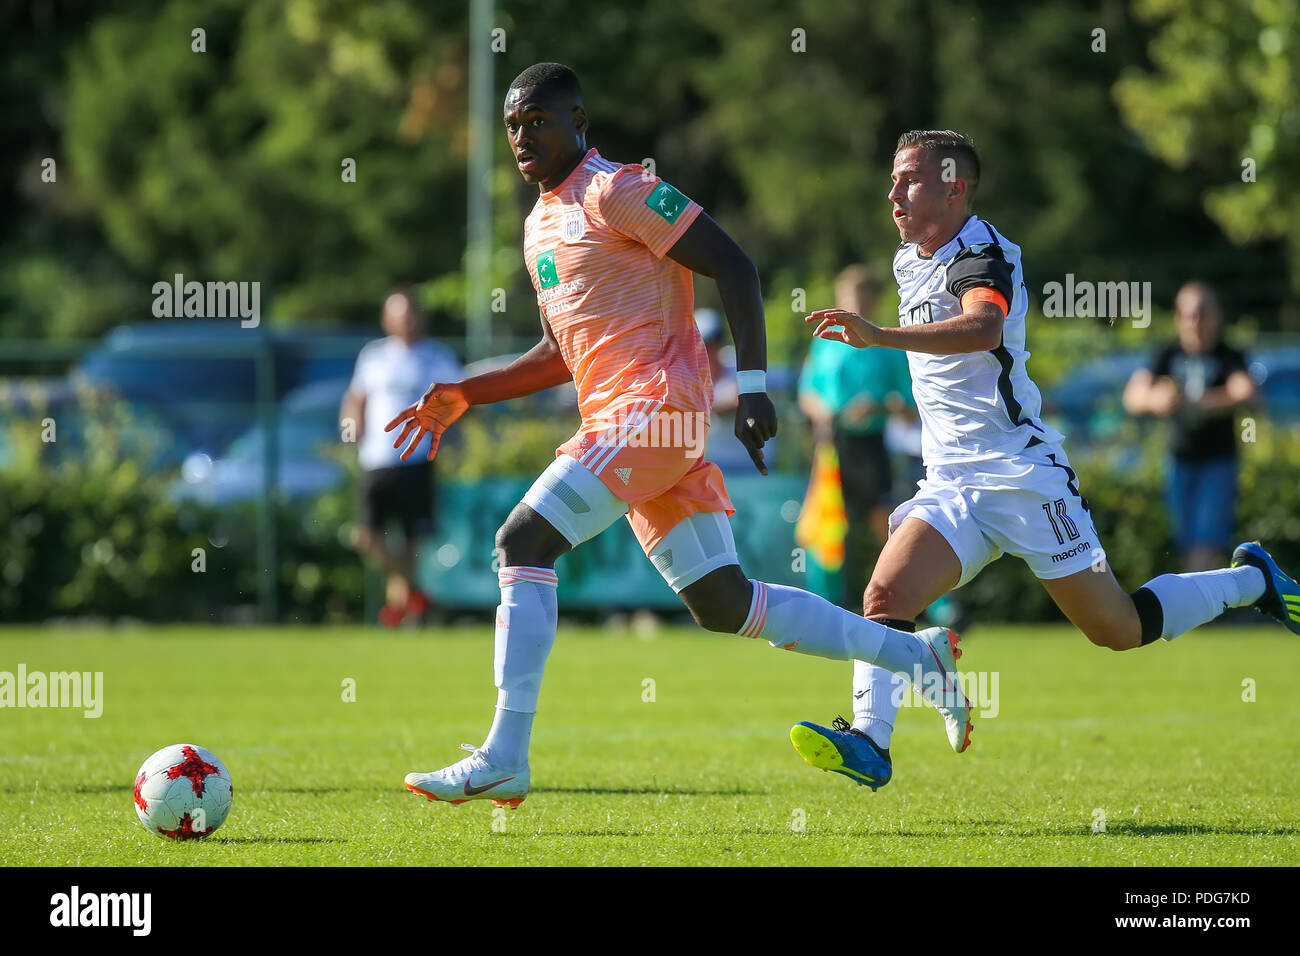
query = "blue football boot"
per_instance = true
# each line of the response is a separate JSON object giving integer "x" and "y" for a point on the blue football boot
{"x": 842, "y": 750}
{"x": 1281, "y": 597}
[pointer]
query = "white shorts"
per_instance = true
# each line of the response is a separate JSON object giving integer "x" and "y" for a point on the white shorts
{"x": 1027, "y": 505}
{"x": 579, "y": 506}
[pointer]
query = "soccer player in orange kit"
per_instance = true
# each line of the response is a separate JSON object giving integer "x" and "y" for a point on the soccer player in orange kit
{"x": 610, "y": 249}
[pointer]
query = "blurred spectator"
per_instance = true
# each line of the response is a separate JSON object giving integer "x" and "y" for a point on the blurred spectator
{"x": 722, "y": 359}
{"x": 849, "y": 395}
{"x": 1197, "y": 383}
{"x": 390, "y": 374}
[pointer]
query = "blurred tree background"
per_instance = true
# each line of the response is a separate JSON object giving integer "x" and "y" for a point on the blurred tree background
{"x": 1113, "y": 137}
{"x": 1132, "y": 140}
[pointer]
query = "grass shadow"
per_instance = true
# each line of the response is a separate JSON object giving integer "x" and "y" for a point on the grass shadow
{"x": 255, "y": 840}
{"x": 1123, "y": 828}
{"x": 312, "y": 789}
{"x": 649, "y": 791}
{"x": 1010, "y": 829}
{"x": 565, "y": 834}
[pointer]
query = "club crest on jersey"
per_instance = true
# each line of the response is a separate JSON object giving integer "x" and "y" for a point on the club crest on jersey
{"x": 547, "y": 274}
{"x": 575, "y": 224}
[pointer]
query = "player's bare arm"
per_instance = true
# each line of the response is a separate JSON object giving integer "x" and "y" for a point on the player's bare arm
{"x": 540, "y": 368}
{"x": 977, "y": 329}
{"x": 705, "y": 248}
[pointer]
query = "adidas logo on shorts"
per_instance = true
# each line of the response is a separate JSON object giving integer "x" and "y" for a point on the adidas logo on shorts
{"x": 624, "y": 474}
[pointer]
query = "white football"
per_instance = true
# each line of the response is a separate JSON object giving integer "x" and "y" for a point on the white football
{"x": 183, "y": 792}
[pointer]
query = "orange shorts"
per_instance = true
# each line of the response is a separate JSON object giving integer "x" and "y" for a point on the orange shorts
{"x": 653, "y": 458}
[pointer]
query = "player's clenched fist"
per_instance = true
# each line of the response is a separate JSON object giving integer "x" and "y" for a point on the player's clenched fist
{"x": 856, "y": 330}
{"x": 433, "y": 414}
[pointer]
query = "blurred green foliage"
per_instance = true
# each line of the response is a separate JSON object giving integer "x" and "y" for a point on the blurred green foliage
{"x": 1221, "y": 106}
{"x": 92, "y": 529}
{"x": 780, "y": 118}
{"x": 488, "y": 442}
{"x": 87, "y": 527}
{"x": 1114, "y": 163}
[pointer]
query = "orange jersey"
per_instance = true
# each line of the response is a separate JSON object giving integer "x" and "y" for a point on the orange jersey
{"x": 622, "y": 313}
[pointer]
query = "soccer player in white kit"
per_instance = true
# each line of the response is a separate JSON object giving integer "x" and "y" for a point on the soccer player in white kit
{"x": 997, "y": 478}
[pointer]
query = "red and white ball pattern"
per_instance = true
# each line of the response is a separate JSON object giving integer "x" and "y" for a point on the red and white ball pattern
{"x": 183, "y": 792}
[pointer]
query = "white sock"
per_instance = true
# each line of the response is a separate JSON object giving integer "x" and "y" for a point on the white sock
{"x": 799, "y": 621}
{"x": 877, "y": 692}
{"x": 1189, "y": 600}
{"x": 526, "y": 622}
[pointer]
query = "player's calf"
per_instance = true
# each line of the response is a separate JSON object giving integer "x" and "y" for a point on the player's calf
{"x": 1165, "y": 607}
{"x": 1117, "y": 635}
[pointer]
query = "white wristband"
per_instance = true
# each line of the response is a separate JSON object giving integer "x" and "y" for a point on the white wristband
{"x": 751, "y": 380}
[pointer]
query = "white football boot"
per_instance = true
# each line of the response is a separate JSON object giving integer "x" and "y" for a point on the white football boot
{"x": 473, "y": 778}
{"x": 941, "y": 685}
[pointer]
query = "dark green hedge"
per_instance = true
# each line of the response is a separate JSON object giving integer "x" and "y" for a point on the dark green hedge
{"x": 93, "y": 532}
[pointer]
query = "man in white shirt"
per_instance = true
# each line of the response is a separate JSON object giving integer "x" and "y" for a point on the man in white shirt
{"x": 390, "y": 373}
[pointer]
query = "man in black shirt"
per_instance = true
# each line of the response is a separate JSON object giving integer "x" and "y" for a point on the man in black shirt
{"x": 1198, "y": 383}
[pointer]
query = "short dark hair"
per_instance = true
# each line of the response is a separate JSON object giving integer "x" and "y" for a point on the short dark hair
{"x": 947, "y": 144}
{"x": 551, "y": 77}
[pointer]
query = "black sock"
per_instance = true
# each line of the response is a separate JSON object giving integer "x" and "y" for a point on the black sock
{"x": 1150, "y": 613}
{"x": 896, "y": 623}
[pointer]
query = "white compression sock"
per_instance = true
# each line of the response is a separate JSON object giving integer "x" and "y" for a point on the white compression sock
{"x": 526, "y": 622}
{"x": 799, "y": 621}
{"x": 1189, "y": 600}
{"x": 877, "y": 693}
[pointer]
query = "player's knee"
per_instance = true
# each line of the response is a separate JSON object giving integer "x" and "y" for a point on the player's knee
{"x": 882, "y": 600}
{"x": 719, "y": 601}
{"x": 512, "y": 544}
{"x": 721, "y": 620}
{"x": 721, "y": 617}
{"x": 528, "y": 540}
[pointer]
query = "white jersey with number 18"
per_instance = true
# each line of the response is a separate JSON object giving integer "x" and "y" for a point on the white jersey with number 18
{"x": 974, "y": 406}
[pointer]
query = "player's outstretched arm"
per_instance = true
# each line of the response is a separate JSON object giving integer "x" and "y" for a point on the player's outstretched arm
{"x": 541, "y": 367}
{"x": 705, "y": 248}
{"x": 977, "y": 329}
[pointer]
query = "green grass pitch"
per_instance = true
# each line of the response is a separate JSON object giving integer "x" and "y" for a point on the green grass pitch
{"x": 1158, "y": 740}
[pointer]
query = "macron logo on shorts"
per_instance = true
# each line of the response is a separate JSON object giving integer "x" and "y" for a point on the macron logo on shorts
{"x": 1076, "y": 550}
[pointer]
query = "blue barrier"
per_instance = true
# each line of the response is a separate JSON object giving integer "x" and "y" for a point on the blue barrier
{"x": 610, "y": 571}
